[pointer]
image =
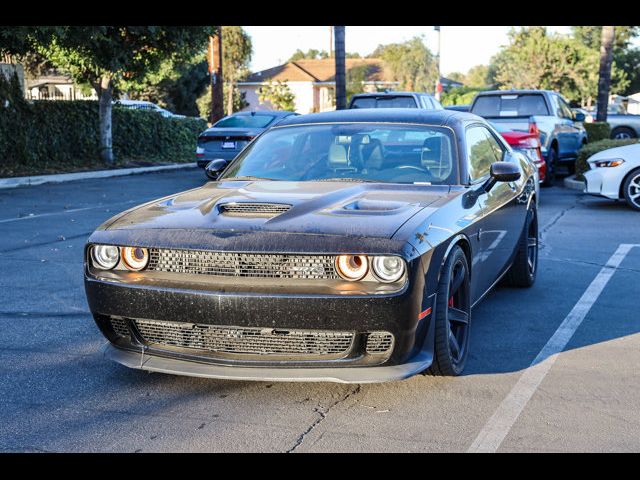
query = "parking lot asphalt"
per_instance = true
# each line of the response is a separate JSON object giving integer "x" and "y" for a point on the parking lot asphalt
{"x": 57, "y": 392}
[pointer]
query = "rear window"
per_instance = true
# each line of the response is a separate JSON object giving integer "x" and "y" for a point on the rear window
{"x": 510, "y": 106}
{"x": 245, "y": 121}
{"x": 384, "y": 102}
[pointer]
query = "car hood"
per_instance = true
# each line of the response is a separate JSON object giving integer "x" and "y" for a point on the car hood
{"x": 327, "y": 208}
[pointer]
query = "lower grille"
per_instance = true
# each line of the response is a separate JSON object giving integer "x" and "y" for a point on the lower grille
{"x": 247, "y": 340}
{"x": 120, "y": 327}
{"x": 205, "y": 262}
{"x": 379, "y": 342}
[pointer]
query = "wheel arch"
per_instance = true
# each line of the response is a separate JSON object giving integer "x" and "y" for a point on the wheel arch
{"x": 623, "y": 181}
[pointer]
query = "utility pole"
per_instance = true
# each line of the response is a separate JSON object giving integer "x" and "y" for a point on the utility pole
{"x": 438, "y": 84}
{"x": 214, "y": 57}
{"x": 604, "y": 79}
{"x": 341, "y": 87}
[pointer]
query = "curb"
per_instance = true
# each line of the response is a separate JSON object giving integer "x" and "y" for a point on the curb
{"x": 68, "y": 177}
{"x": 572, "y": 183}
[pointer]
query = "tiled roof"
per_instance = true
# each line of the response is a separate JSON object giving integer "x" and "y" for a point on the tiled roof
{"x": 322, "y": 70}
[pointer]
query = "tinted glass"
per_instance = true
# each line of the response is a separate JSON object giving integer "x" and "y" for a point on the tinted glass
{"x": 510, "y": 106}
{"x": 481, "y": 152}
{"x": 384, "y": 102}
{"x": 368, "y": 152}
{"x": 245, "y": 121}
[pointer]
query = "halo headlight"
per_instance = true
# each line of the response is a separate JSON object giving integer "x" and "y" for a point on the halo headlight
{"x": 135, "y": 258}
{"x": 105, "y": 256}
{"x": 388, "y": 269}
{"x": 352, "y": 267}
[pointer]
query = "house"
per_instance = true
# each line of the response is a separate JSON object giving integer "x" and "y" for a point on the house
{"x": 55, "y": 86}
{"x": 313, "y": 82}
{"x": 448, "y": 84}
{"x": 634, "y": 104}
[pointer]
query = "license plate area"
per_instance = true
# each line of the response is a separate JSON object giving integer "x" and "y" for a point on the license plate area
{"x": 229, "y": 145}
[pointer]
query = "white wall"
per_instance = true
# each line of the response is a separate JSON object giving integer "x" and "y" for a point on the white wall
{"x": 303, "y": 92}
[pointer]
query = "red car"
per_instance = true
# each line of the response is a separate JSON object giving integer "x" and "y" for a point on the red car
{"x": 527, "y": 143}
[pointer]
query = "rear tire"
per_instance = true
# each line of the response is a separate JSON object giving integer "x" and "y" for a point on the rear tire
{"x": 623, "y": 133}
{"x": 525, "y": 265}
{"x": 452, "y": 316}
{"x": 631, "y": 189}
{"x": 551, "y": 168}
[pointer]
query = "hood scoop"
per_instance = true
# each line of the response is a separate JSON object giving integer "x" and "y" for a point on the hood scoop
{"x": 246, "y": 209}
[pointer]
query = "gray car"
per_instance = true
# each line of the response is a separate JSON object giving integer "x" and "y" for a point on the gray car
{"x": 562, "y": 133}
{"x": 227, "y": 138}
{"x": 391, "y": 99}
{"x": 623, "y": 125}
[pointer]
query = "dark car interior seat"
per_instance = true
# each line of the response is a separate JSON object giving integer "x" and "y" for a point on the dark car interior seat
{"x": 436, "y": 156}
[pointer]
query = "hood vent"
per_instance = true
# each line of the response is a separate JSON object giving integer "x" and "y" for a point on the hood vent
{"x": 266, "y": 210}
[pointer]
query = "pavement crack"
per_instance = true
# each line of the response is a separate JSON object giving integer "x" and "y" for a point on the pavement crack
{"x": 322, "y": 412}
{"x": 585, "y": 262}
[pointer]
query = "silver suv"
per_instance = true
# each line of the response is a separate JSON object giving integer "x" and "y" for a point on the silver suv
{"x": 391, "y": 99}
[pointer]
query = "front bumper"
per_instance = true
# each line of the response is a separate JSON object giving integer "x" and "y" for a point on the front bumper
{"x": 177, "y": 366}
{"x": 398, "y": 313}
{"x": 604, "y": 182}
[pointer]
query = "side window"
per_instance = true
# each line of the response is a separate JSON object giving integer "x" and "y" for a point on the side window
{"x": 557, "y": 102}
{"x": 427, "y": 102}
{"x": 567, "y": 112}
{"x": 481, "y": 152}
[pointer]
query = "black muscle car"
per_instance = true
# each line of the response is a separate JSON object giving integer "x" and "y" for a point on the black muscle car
{"x": 346, "y": 246}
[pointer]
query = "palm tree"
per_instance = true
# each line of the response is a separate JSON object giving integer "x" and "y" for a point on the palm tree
{"x": 604, "y": 81}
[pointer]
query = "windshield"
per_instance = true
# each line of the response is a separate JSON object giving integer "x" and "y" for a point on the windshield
{"x": 510, "y": 105}
{"x": 350, "y": 152}
{"x": 384, "y": 102}
{"x": 245, "y": 121}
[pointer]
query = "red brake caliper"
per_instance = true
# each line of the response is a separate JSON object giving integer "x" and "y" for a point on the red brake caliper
{"x": 451, "y": 301}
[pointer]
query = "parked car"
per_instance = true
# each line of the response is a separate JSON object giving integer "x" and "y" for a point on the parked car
{"x": 528, "y": 144}
{"x": 228, "y": 136}
{"x": 391, "y": 99}
{"x": 354, "y": 255}
{"x": 143, "y": 105}
{"x": 458, "y": 108}
{"x": 615, "y": 174}
{"x": 623, "y": 125}
{"x": 562, "y": 133}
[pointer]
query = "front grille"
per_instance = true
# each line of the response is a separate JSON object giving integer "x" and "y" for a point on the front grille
{"x": 253, "y": 209}
{"x": 119, "y": 326}
{"x": 204, "y": 262}
{"x": 246, "y": 340}
{"x": 379, "y": 342}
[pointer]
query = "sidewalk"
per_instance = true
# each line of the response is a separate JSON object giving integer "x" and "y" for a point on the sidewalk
{"x": 13, "y": 182}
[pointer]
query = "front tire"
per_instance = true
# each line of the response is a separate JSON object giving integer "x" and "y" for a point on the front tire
{"x": 525, "y": 265}
{"x": 623, "y": 133}
{"x": 631, "y": 189}
{"x": 452, "y": 316}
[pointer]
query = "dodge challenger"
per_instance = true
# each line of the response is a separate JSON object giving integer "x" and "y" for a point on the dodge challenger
{"x": 346, "y": 246}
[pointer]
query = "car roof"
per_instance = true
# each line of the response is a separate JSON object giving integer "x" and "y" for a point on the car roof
{"x": 513, "y": 91}
{"x": 389, "y": 93}
{"x": 135, "y": 102}
{"x": 276, "y": 113}
{"x": 383, "y": 115}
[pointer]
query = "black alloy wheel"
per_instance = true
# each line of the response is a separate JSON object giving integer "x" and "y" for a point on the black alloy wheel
{"x": 525, "y": 264}
{"x": 452, "y": 316}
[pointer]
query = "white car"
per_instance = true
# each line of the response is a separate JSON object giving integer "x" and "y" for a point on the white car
{"x": 615, "y": 173}
{"x": 144, "y": 105}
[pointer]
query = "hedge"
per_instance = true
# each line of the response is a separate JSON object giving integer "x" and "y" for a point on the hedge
{"x": 592, "y": 148}
{"x": 52, "y": 136}
{"x": 597, "y": 131}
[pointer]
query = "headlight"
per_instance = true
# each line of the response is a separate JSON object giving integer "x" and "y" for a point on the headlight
{"x": 135, "y": 258}
{"x": 352, "y": 267}
{"x": 388, "y": 269}
{"x": 609, "y": 163}
{"x": 105, "y": 256}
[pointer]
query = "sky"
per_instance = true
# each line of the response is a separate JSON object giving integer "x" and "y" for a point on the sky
{"x": 461, "y": 47}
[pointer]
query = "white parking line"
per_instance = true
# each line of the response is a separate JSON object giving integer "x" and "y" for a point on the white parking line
{"x": 499, "y": 425}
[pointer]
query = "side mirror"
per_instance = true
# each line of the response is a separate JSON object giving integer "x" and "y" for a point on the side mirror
{"x": 579, "y": 116}
{"x": 215, "y": 167}
{"x": 502, "y": 172}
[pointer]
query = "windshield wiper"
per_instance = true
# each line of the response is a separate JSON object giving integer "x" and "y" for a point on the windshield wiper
{"x": 342, "y": 179}
{"x": 244, "y": 177}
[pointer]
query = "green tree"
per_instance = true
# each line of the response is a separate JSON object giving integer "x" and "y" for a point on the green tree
{"x": 534, "y": 59}
{"x": 104, "y": 56}
{"x": 456, "y": 77}
{"x": 411, "y": 63}
{"x": 311, "y": 54}
{"x": 355, "y": 77}
{"x": 478, "y": 77}
{"x": 236, "y": 54}
{"x": 459, "y": 96}
{"x": 278, "y": 94}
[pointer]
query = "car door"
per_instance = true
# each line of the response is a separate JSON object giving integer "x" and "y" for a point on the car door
{"x": 498, "y": 231}
{"x": 567, "y": 131}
